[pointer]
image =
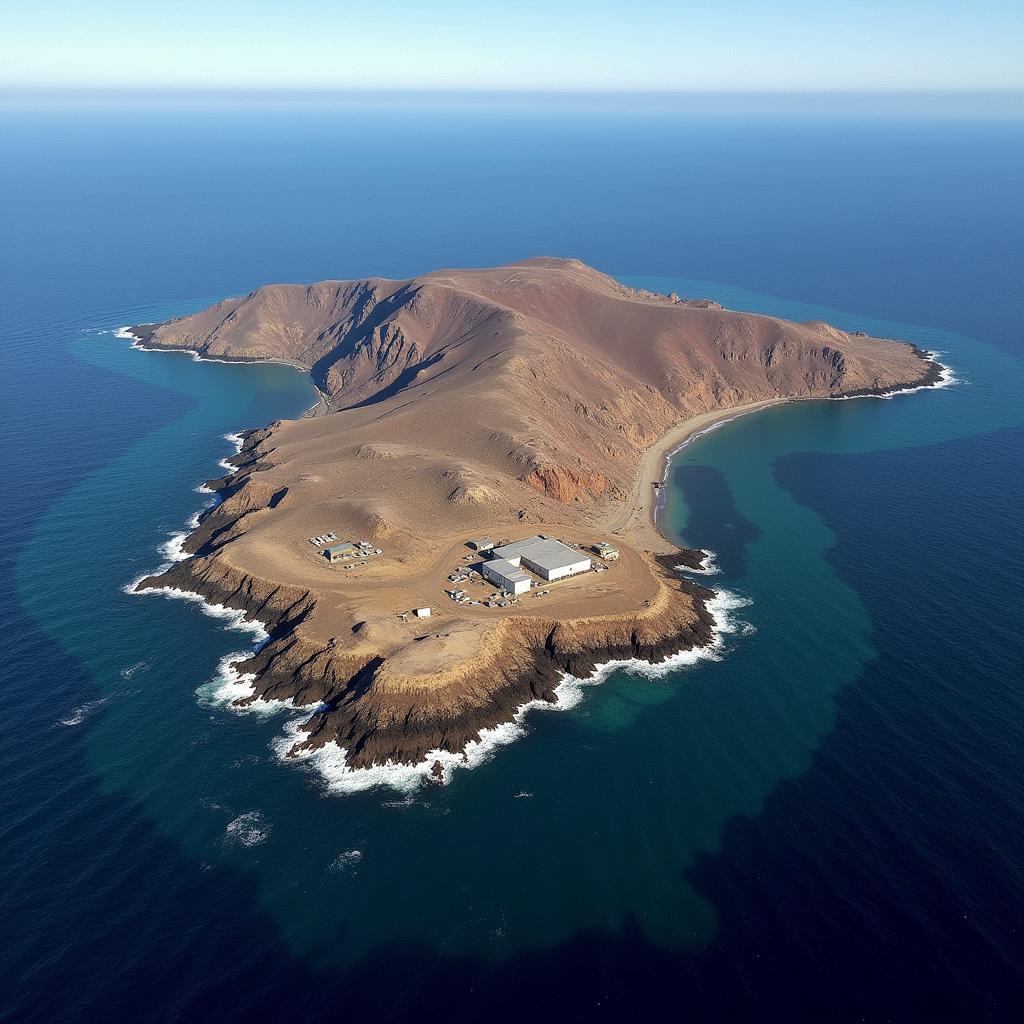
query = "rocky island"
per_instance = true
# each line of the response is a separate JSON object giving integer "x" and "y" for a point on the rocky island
{"x": 540, "y": 398}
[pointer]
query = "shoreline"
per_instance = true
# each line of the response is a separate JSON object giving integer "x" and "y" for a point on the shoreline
{"x": 654, "y": 467}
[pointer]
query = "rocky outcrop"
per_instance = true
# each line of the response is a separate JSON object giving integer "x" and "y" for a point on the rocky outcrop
{"x": 930, "y": 374}
{"x": 566, "y": 486}
{"x": 472, "y": 494}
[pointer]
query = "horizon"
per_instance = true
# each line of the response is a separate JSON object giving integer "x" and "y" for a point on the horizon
{"x": 986, "y": 104}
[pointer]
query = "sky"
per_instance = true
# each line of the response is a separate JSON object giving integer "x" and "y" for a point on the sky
{"x": 627, "y": 45}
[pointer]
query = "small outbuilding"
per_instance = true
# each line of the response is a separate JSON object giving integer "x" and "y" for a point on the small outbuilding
{"x": 483, "y": 544}
{"x": 339, "y": 552}
{"x": 607, "y": 551}
{"x": 421, "y": 613}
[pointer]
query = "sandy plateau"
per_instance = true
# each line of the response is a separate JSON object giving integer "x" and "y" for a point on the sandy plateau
{"x": 541, "y": 397}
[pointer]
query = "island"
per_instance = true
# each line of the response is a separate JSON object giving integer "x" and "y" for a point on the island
{"x": 467, "y": 515}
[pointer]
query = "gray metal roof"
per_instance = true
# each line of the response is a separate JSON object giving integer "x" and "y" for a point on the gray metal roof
{"x": 514, "y": 549}
{"x": 546, "y": 553}
{"x": 506, "y": 570}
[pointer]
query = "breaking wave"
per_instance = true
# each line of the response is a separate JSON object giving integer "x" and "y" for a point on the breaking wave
{"x": 947, "y": 378}
{"x": 232, "y": 617}
{"x": 125, "y": 334}
{"x": 229, "y": 685}
{"x": 173, "y": 549}
{"x": 708, "y": 567}
{"x": 237, "y": 441}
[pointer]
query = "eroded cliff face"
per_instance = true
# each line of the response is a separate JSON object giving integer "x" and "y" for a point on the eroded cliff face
{"x": 566, "y": 486}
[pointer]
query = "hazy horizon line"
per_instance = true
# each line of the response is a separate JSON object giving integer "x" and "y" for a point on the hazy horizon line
{"x": 23, "y": 88}
{"x": 990, "y": 102}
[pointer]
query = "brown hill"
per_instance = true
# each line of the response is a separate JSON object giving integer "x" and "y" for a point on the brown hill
{"x": 547, "y": 370}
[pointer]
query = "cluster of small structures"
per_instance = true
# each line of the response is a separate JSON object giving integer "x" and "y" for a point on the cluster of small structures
{"x": 324, "y": 538}
{"x": 514, "y": 567}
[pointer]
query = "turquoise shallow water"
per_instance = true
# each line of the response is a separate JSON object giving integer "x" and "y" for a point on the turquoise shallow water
{"x": 825, "y": 822}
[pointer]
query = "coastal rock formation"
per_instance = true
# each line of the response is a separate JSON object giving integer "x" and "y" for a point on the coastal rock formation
{"x": 566, "y": 486}
{"x": 475, "y": 403}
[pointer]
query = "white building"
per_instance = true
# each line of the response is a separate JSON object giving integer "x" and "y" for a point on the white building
{"x": 549, "y": 559}
{"x": 506, "y": 575}
{"x": 421, "y": 613}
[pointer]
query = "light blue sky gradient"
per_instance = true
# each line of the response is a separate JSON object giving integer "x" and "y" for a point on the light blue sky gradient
{"x": 457, "y": 44}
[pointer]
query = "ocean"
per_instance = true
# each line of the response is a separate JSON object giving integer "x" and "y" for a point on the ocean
{"x": 823, "y": 821}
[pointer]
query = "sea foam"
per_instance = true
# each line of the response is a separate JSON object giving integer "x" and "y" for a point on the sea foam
{"x": 173, "y": 549}
{"x": 708, "y": 567}
{"x": 82, "y": 712}
{"x": 229, "y": 685}
{"x": 125, "y": 334}
{"x": 947, "y": 378}
{"x": 249, "y": 829}
{"x": 346, "y": 862}
{"x": 237, "y": 441}
{"x": 233, "y": 618}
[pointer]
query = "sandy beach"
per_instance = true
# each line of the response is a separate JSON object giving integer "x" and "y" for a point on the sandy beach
{"x": 639, "y": 521}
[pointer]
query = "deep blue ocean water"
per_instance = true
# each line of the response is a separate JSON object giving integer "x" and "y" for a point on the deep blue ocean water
{"x": 825, "y": 824}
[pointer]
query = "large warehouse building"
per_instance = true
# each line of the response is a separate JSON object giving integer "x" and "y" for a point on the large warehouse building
{"x": 549, "y": 559}
{"x": 507, "y": 576}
